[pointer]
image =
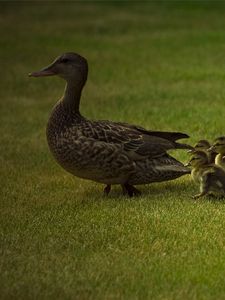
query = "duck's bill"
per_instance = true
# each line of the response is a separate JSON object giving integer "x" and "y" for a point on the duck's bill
{"x": 191, "y": 151}
{"x": 43, "y": 72}
{"x": 188, "y": 164}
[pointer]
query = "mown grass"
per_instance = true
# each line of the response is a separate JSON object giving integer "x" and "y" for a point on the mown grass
{"x": 160, "y": 65}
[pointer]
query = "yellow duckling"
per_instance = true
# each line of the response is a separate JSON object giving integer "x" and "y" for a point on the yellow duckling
{"x": 219, "y": 147}
{"x": 210, "y": 177}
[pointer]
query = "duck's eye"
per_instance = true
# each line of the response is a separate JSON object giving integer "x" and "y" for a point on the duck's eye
{"x": 195, "y": 158}
{"x": 64, "y": 60}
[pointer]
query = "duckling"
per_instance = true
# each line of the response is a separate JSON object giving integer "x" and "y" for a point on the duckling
{"x": 210, "y": 177}
{"x": 104, "y": 151}
{"x": 204, "y": 145}
{"x": 219, "y": 147}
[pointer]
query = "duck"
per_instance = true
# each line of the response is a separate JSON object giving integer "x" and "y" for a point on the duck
{"x": 204, "y": 145}
{"x": 107, "y": 152}
{"x": 210, "y": 177}
{"x": 219, "y": 148}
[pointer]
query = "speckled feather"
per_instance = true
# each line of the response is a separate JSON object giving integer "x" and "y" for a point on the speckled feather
{"x": 109, "y": 152}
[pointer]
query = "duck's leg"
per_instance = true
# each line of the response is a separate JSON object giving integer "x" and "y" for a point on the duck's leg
{"x": 107, "y": 189}
{"x": 130, "y": 190}
{"x": 204, "y": 187}
{"x": 199, "y": 195}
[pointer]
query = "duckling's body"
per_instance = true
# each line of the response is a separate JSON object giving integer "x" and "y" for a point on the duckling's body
{"x": 210, "y": 177}
{"x": 219, "y": 147}
{"x": 220, "y": 160}
{"x": 104, "y": 151}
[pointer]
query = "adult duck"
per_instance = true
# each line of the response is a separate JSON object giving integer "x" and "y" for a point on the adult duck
{"x": 105, "y": 151}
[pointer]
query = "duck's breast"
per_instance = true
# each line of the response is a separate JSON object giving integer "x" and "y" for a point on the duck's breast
{"x": 84, "y": 156}
{"x": 63, "y": 136}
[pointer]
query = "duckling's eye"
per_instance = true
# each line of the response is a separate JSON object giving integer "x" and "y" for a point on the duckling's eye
{"x": 64, "y": 60}
{"x": 195, "y": 158}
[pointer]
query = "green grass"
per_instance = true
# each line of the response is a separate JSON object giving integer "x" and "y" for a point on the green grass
{"x": 160, "y": 65}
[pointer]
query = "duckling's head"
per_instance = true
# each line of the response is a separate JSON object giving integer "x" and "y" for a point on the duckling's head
{"x": 219, "y": 145}
{"x": 201, "y": 145}
{"x": 198, "y": 159}
{"x": 70, "y": 66}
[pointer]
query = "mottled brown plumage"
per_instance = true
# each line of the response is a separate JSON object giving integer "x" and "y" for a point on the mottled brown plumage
{"x": 105, "y": 151}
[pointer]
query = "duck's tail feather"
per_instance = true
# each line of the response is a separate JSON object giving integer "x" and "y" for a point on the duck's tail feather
{"x": 183, "y": 146}
{"x": 171, "y": 136}
{"x": 163, "y": 168}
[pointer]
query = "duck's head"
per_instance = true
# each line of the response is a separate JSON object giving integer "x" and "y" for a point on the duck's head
{"x": 70, "y": 66}
{"x": 198, "y": 159}
{"x": 219, "y": 145}
{"x": 202, "y": 145}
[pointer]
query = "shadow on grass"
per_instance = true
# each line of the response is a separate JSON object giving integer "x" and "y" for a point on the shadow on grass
{"x": 214, "y": 199}
{"x": 172, "y": 189}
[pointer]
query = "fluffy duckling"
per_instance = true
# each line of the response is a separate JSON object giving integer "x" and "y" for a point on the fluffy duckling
{"x": 210, "y": 177}
{"x": 204, "y": 145}
{"x": 219, "y": 147}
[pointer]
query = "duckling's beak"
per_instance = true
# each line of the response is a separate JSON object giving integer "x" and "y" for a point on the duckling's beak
{"x": 188, "y": 164}
{"x": 191, "y": 151}
{"x": 48, "y": 71}
{"x": 211, "y": 149}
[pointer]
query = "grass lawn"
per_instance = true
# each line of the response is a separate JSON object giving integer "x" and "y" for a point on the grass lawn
{"x": 159, "y": 65}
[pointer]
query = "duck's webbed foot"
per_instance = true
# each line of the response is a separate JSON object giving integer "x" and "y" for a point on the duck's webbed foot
{"x": 130, "y": 190}
{"x": 199, "y": 195}
{"x": 107, "y": 189}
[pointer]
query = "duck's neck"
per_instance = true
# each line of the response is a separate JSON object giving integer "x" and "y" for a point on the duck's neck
{"x": 71, "y": 97}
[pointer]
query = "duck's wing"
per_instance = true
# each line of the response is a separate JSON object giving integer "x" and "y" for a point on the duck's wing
{"x": 168, "y": 135}
{"x": 158, "y": 169}
{"x": 135, "y": 141}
